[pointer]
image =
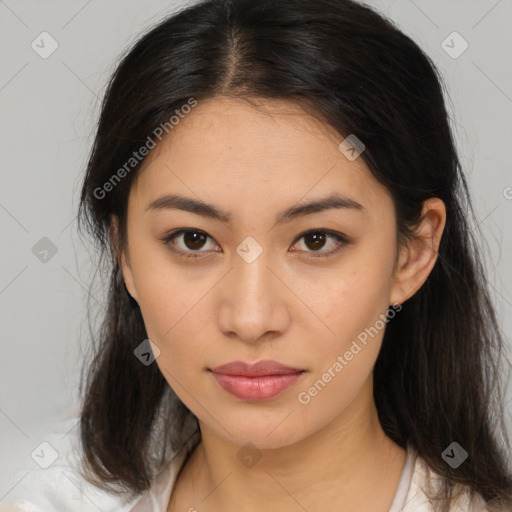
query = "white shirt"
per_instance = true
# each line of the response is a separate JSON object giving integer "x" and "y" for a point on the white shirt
{"x": 60, "y": 489}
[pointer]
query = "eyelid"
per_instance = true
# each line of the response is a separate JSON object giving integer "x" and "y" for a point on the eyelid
{"x": 188, "y": 254}
{"x": 342, "y": 239}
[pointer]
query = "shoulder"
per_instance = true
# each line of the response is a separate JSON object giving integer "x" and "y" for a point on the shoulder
{"x": 426, "y": 482}
{"x": 55, "y": 484}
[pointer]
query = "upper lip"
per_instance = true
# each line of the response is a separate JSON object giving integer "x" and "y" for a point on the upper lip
{"x": 266, "y": 367}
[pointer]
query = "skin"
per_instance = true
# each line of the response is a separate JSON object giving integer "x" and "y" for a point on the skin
{"x": 287, "y": 305}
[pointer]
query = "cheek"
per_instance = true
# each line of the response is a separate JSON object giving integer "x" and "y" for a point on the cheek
{"x": 177, "y": 322}
{"x": 177, "y": 327}
{"x": 167, "y": 292}
{"x": 354, "y": 309}
{"x": 172, "y": 303}
{"x": 353, "y": 306}
{"x": 354, "y": 301}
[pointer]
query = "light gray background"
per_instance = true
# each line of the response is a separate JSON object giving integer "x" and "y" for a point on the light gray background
{"x": 49, "y": 109}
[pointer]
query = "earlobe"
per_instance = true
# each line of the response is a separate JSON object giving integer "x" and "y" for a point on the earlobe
{"x": 418, "y": 258}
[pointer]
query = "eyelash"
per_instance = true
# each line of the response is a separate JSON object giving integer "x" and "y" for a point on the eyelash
{"x": 342, "y": 239}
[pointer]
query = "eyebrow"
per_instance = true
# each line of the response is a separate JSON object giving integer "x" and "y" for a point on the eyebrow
{"x": 177, "y": 202}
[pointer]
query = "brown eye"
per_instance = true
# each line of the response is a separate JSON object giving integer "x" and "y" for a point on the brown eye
{"x": 192, "y": 240}
{"x": 316, "y": 240}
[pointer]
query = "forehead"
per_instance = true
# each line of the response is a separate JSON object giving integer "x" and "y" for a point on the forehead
{"x": 228, "y": 152}
{"x": 270, "y": 129}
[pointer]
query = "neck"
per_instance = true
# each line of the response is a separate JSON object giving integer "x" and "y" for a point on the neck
{"x": 341, "y": 463}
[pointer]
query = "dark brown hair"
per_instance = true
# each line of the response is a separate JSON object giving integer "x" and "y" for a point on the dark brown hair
{"x": 437, "y": 379}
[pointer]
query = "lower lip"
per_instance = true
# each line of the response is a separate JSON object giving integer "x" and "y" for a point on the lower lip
{"x": 256, "y": 388}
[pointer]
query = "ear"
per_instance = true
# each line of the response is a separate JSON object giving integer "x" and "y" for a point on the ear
{"x": 122, "y": 258}
{"x": 416, "y": 261}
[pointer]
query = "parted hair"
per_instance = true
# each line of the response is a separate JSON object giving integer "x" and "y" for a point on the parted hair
{"x": 438, "y": 376}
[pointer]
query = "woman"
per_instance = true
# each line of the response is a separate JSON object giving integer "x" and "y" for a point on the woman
{"x": 298, "y": 317}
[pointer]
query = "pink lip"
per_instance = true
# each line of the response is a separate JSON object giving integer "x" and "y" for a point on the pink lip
{"x": 256, "y": 382}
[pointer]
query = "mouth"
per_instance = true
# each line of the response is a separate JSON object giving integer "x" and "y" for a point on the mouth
{"x": 256, "y": 382}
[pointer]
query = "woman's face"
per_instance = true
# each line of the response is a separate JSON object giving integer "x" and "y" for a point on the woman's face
{"x": 255, "y": 288}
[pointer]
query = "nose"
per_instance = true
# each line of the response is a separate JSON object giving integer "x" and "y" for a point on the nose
{"x": 253, "y": 301}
